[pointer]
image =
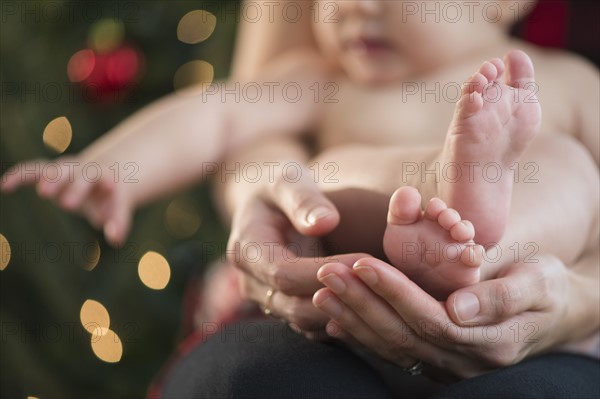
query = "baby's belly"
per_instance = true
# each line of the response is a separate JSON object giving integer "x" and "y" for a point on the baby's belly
{"x": 383, "y": 117}
{"x": 390, "y": 117}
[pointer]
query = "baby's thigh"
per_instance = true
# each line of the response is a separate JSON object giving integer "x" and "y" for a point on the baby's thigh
{"x": 380, "y": 169}
{"x": 555, "y": 195}
{"x": 360, "y": 180}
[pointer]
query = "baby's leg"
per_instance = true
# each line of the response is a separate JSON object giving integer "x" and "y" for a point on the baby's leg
{"x": 365, "y": 177}
{"x": 554, "y": 206}
{"x": 494, "y": 122}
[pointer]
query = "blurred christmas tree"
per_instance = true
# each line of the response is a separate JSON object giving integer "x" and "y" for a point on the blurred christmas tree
{"x": 94, "y": 63}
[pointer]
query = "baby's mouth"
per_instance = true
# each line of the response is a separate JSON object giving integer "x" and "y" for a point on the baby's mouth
{"x": 369, "y": 47}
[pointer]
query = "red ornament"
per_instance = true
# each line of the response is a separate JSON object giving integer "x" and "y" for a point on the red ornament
{"x": 108, "y": 75}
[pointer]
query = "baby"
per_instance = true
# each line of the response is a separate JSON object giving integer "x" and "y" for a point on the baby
{"x": 478, "y": 170}
{"x": 500, "y": 161}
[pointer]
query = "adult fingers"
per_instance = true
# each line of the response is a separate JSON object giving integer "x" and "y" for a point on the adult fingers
{"x": 257, "y": 241}
{"x": 298, "y": 311}
{"x": 258, "y": 245}
{"x": 305, "y": 205}
{"x": 384, "y": 334}
{"x": 372, "y": 309}
{"x": 522, "y": 287}
{"x": 418, "y": 309}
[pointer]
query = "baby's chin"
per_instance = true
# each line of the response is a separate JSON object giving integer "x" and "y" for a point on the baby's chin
{"x": 370, "y": 75}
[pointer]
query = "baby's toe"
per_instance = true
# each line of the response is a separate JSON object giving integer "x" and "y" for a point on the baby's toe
{"x": 489, "y": 71}
{"x": 500, "y": 67}
{"x": 448, "y": 218}
{"x": 519, "y": 69}
{"x": 463, "y": 231}
{"x": 472, "y": 255}
{"x": 468, "y": 105}
{"x": 434, "y": 208}
{"x": 405, "y": 206}
{"x": 475, "y": 84}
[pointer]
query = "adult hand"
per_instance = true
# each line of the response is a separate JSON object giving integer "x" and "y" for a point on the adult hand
{"x": 271, "y": 244}
{"x": 492, "y": 324}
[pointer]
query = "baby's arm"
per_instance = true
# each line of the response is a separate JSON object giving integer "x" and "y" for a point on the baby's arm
{"x": 259, "y": 43}
{"x": 176, "y": 141}
{"x": 580, "y": 99}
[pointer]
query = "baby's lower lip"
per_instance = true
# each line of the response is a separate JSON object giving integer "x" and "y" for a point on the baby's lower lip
{"x": 370, "y": 47}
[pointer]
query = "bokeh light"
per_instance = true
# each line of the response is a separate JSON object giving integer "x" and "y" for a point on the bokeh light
{"x": 106, "y": 345}
{"x": 81, "y": 65}
{"x": 182, "y": 218}
{"x": 193, "y": 73}
{"x": 58, "y": 134}
{"x": 196, "y": 26}
{"x": 154, "y": 270}
{"x": 92, "y": 256}
{"x": 94, "y": 315}
{"x": 106, "y": 34}
{"x": 5, "y": 252}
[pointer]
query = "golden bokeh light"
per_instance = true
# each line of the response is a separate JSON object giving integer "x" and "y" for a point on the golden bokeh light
{"x": 182, "y": 218}
{"x": 94, "y": 315}
{"x": 106, "y": 345}
{"x": 193, "y": 73}
{"x": 91, "y": 256}
{"x": 154, "y": 270}
{"x": 32, "y": 397}
{"x": 196, "y": 26}
{"x": 58, "y": 134}
{"x": 5, "y": 252}
{"x": 106, "y": 34}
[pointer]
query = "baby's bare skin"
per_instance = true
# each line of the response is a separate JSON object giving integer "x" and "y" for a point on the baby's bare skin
{"x": 488, "y": 205}
{"x": 494, "y": 121}
{"x": 398, "y": 117}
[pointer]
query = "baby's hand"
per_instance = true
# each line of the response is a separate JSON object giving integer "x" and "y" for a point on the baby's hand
{"x": 78, "y": 186}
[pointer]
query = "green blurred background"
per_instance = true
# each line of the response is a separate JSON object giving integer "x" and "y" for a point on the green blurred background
{"x": 45, "y": 352}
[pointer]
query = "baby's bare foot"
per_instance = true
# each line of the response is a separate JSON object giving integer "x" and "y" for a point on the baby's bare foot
{"x": 494, "y": 122}
{"x": 434, "y": 248}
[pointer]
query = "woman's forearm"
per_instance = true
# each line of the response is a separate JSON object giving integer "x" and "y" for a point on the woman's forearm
{"x": 581, "y": 325}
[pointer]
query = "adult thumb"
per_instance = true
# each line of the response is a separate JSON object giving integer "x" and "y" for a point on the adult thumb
{"x": 305, "y": 205}
{"x": 521, "y": 289}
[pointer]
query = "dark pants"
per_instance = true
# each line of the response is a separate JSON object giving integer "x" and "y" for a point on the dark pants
{"x": 267, "y": 360}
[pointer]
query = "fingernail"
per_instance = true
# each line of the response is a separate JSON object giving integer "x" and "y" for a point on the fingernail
{"x": 110, "y": 232}
{"x": 334, "y": 283}
{"x": 330, "y": 306}
{"x": 295, "y": 328}
{"x": 466, "y": 306}
{"x": 366, "y": 274}
{"x": 332, "y": 329}
{"x": 316, "y": 214}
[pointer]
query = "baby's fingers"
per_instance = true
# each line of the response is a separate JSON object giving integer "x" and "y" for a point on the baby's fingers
{"x": 118, "y": 225}
{"x": 55, "y": 177}
{"x": 22, "y": 174}
{"x": 75, "y": 193}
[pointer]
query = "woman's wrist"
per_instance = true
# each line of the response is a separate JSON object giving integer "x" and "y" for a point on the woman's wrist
{"x": 257, "y": 170}
{"x": 577, "y": 331}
